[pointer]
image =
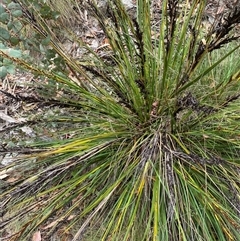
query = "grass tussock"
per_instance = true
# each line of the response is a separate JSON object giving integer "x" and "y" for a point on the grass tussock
{"x": 154, "y": 143}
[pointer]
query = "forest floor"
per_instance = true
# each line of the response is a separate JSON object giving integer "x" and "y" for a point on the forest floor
{"x": 20, "y": 103}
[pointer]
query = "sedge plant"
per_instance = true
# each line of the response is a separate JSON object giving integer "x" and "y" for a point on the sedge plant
{"x": 154, "y": 141}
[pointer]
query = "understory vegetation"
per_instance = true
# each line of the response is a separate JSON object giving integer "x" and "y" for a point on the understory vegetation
{"x": 146, "y": 142}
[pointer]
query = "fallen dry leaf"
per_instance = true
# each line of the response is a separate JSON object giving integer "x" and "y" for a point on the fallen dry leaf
{"x": 8, "y": 118}
{"x": 53, "y": 223}
{"x": 13, "y": 179}
{"x": 71, "y": 217}
{"x": 37, "y": 236}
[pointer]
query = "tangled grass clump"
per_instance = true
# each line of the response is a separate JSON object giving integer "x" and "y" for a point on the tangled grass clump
{"x": 154, "y": 143}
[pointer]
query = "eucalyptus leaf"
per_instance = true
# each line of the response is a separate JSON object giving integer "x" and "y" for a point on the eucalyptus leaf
{"x": 17, "y": 26}
{"x": 10, "y": 25}
{"x": 11, "y": 69}
{"x": 2, "y": 46}
{"x": 4, "y": 33}
{"x": 46, "y": 41}
{"x": 2, "y": 9}
{"x": 7, "y": 62}
{"x": 13, "y": 5}
{"x": 17, "y": 13}
{"x": 14, "y": 41}
{"x": 3, "y": 71}
{"x": 13, "y": 52}
{"x": 4, "y": 17}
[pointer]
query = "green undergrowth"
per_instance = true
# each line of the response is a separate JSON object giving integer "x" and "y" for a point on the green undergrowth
{"x": 149, "y": 142}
